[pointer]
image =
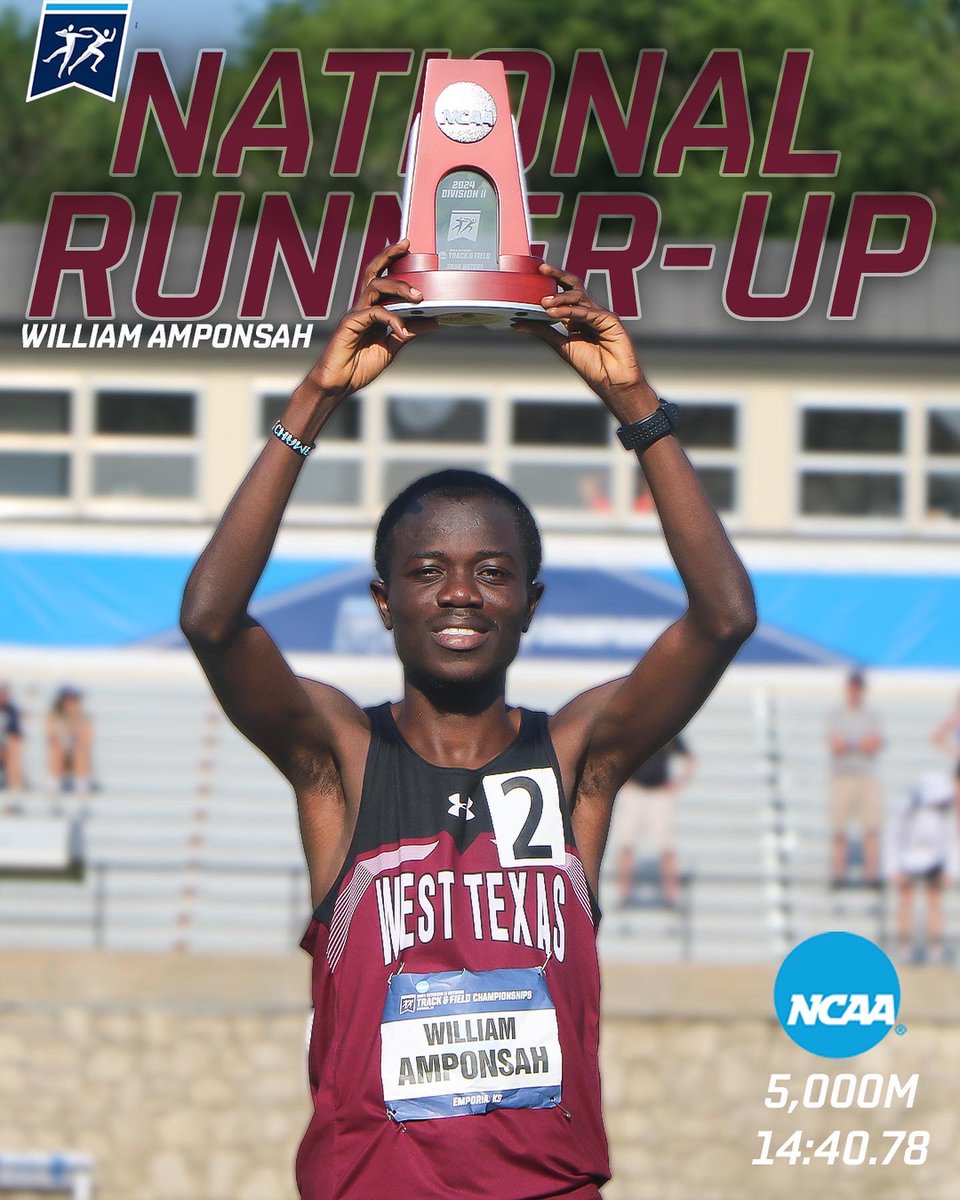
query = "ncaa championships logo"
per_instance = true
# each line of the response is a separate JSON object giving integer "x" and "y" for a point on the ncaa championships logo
{"x": 79, "y": 45}
{"x": 465, "y": 112}
{"x": 837, "y": 995}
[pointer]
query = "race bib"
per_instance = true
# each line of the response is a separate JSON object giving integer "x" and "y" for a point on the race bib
{"x": 459, "y": 1042}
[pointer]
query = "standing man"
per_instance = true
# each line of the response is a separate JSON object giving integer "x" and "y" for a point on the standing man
{"x": 454, "y": 841}
{"x": 644, "y": 817}
{"x": 855, "y": 739}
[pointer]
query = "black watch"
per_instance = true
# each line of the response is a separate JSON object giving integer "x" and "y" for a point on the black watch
{"x": 645, "y": 432}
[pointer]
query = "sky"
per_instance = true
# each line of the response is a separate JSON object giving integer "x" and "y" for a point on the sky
{"x": 178, "y": 27}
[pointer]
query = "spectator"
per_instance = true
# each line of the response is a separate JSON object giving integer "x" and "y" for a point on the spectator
{"x": 946, "y": 737}
{"x": 593, "y": 493}
{"x": 855, "y": 739}
{"x": 11, "y": 741}
{"x": 69, "y": 743}
{"x": 923, "y": 847}
{"x": 643, "y": 816}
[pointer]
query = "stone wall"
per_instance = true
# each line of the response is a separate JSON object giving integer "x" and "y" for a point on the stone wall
{"x": 185, "y": 1078}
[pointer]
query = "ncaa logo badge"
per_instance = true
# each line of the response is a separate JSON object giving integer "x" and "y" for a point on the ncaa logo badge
{"x": 837, "y": 995}
{"x": 79, "y": 45}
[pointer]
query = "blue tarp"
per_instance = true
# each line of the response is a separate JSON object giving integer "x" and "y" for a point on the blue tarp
{"x": 120, "y": 599}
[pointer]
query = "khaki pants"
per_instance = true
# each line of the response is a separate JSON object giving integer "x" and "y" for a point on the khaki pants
{"x": 855, "y": 798}
{"x": 643, "y": 819}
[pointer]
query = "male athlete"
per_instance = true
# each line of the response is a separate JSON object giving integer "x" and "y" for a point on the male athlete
{"x": 453, "y": 841}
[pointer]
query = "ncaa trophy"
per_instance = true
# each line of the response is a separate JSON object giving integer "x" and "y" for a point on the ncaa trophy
{"x": 465, "y": 204}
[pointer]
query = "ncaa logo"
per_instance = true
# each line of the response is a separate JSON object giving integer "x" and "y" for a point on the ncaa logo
{"x": 79, "y": 44}
{"x": 837, "y": 995}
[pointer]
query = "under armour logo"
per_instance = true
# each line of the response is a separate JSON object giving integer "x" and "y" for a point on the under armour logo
{"x": 458, "y": 806}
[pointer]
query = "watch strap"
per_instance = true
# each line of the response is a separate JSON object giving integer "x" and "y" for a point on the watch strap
{"x": 643, "y": 433}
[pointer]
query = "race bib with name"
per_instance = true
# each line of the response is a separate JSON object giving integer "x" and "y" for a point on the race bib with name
{"x": 454, "y": 1043}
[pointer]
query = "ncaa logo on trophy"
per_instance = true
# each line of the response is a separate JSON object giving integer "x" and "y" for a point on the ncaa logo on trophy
{"x": 79, "y": 45}
{"x": 465, "y": 204}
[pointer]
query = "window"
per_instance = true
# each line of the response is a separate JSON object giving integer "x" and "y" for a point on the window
{"x": 709, "y": 431}
{"x": 333, "y": 474}
{"x": 852, "y": 462}
{"x": 23, "y": 411}
{"x": 25, "y": 473}
{"x": 551, "y": 423}
{"x": 325, "y": 480}
{"x": 853, "y": 431}
{"x": 145, "y": 414}
{"x": 547, "y": 485}
{"x": 144, "y": 475}
{"x": 343, "y": 426}
{"x": 397, "y": 473}
{"x": 35, "y": 427}
{"x": 436, "y": 419}
{"x": 942, "y": 467}
{"x": 560, "y": 454}
{"x": 427, "y": 433}
{"x": 708, "y": 426}
{"x": 851, "y": 494}
{"x": 144, "y": 445}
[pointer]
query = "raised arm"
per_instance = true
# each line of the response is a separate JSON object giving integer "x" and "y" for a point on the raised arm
{"x": 293, "y": 720}
{"x": 616, "y": 726}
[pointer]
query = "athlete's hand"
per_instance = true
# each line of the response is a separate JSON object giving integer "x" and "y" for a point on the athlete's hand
{"x": 593, "y": 342}
{"x": 369, "y": 337}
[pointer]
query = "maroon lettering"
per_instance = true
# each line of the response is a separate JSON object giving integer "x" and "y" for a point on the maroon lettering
{"x": 184, "y": 134}
{"x": 149, "y": 298}
{"x": 537, "y": 69}
{"x": 591, "y": 90}
{"x": 382, "y": 229}
{"x": 417, "y": 104}
{"x": 739, "y": 298}
{"x": 618, "y": 263}
{"x": 858, "y": 258}
{"x": 58, "y": 257}
{"x": 779, "y": 155}
{"x": 278, "y": 234}
{"x": 364, "y": 68}
{"x": 281, "y": 75}
{"x": 721, "y": 75}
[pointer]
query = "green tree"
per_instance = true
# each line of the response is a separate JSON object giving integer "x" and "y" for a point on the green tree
{"x": 884, "y": 90}
{"x": 60, "y": 143}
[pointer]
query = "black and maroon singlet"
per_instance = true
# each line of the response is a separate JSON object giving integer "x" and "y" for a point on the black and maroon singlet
{"x": 456, "y": 988}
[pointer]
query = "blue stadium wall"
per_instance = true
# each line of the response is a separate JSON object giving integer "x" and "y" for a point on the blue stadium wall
{"x": 110, "y": 599}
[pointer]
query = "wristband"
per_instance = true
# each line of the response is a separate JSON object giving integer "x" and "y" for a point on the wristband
{"x": 294, "y": 443}
{"x": 645, "y": 432}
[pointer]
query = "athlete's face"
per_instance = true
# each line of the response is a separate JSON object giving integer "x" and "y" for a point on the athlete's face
{"x": 457, "y": 598}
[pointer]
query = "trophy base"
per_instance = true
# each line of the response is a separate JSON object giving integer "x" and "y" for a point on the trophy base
{"x": 490, "y": 298}
{"x": 491, "y": 314}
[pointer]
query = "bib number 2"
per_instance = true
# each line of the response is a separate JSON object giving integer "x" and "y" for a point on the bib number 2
{"x": 527, "y": 822}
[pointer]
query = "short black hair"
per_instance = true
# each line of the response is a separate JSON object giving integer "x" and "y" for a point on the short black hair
{"x": 460, "y": 484}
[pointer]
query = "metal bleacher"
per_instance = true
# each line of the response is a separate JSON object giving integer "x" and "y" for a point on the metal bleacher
{"x": 191, "y": 840}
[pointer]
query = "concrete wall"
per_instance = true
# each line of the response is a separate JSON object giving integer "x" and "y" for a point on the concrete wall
{"x": 184, "y": 1076}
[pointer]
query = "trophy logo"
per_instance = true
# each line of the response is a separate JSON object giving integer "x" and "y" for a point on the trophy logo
{"x": 465, "y": 204}
{"x": 466, "y": 112}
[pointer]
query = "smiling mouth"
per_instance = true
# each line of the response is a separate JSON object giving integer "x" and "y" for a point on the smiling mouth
{"x": 459, "y": 637}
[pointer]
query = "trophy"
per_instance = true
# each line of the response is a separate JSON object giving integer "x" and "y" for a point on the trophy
{"x": 465, "y": 204}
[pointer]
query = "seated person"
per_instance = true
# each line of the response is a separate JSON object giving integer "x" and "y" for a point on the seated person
{"x": 69, "y": 742}
{"x": 11, "y": 742}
